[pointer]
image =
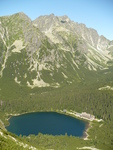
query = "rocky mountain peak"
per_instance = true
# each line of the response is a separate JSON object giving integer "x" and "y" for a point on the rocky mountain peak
{"x": 23, "y": 16}
{"x": 50, "y": 50}
{"x": 64, "y": 19}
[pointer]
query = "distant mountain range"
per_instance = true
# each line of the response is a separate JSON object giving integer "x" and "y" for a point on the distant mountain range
{"x": 51, "y": 51}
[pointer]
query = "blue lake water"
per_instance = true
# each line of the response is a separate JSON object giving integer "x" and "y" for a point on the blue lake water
{"x": 51, "y": 123}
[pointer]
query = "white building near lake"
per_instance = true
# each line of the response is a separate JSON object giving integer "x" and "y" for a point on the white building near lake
{"x": 87, "y": 116}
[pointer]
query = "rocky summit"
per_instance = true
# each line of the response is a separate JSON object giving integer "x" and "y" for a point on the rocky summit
{"x": 51, "y": 51}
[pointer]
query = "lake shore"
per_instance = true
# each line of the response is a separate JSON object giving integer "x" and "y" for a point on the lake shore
{"x": 86, "y": 135}
{"x": 68, "y": 113}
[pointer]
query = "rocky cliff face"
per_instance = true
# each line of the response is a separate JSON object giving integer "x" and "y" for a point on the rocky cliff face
{"x": 87, "y": 42}
{"x": 50, "y": 50}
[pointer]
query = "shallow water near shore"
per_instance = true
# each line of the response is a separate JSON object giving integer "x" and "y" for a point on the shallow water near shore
{"x": 51, "y": 123}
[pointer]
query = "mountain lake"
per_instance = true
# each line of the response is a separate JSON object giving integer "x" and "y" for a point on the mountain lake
{"x": 51, "y": 123}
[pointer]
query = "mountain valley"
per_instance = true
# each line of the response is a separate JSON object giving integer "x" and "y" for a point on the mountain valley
{"x": 53, "y": 63}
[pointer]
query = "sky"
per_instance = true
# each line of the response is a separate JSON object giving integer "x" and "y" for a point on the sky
{"x": 97, "y": 14}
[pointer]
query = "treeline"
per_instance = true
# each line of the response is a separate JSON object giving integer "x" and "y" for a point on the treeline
{"x": 93, "y": 101}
